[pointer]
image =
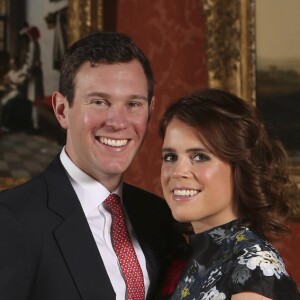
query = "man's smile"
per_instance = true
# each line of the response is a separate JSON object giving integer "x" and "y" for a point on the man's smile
{"x": 113, "y": 142}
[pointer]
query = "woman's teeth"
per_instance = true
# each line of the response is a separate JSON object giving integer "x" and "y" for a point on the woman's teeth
{"x": 185, "y": 192}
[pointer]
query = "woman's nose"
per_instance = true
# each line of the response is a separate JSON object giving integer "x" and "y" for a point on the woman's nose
{"x": 182, "y": 168}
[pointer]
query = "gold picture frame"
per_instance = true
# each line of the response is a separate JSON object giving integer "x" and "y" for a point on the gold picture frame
{"x": 231, "y": 59}
{"x": 84, "y": 17}
{"x": 230, "y": 46}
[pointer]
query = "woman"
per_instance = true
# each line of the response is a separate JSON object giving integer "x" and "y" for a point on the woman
{"x": 222, "y": 172}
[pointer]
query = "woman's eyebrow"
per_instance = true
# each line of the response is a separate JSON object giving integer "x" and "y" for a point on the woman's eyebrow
{"x": 167, "y": 149}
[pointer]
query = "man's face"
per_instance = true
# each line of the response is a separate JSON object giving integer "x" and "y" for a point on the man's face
{"x": 108, "y": 119}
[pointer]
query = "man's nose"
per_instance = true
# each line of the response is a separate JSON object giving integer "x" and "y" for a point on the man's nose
{"x": 116, "y": 118}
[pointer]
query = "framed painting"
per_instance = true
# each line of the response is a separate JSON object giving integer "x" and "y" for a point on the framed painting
{"x": 247, "y": 60}
{"x": 278, "y": 77}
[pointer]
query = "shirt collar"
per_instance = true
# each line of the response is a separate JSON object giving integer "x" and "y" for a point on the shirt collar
{"x": 90, "y": 192}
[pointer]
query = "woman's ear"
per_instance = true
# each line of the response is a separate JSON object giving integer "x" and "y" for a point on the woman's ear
{"x": 60, "y": 107}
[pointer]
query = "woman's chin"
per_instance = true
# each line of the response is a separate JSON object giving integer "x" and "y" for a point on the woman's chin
{"x": 180, "y": 218}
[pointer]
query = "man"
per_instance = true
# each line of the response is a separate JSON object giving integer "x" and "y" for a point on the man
{"x": 55, "y": 229}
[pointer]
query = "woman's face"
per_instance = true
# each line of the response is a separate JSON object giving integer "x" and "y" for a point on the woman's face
{"x": 196, "y": 184}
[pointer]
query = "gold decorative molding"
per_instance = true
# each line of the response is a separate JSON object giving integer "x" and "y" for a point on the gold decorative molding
{"x": 84, "y": 17}
{"x": 231, "y": 60}
{"x": 230, "y": 46}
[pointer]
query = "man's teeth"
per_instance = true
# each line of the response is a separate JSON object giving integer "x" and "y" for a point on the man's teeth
{"x": 185, "y": 192}
{"x": 113, "y": 143}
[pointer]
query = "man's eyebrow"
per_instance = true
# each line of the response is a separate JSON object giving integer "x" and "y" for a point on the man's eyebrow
{"x": 134, "y": 97}
{"x": 97, "y": 94}
{"x": 108, "y": 96}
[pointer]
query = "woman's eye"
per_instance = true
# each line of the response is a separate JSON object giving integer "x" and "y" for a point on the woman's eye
{"x": 200, "y": 157}
{"x": 169, "y": 157}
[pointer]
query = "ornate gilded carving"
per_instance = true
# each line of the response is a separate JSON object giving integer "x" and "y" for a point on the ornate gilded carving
{"x": 84, "y": 17}
{"x": 230, "y": 45}
{"x": 231, "y": 62}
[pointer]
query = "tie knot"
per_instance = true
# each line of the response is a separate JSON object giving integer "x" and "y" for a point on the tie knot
{"x": 113, "y": 202}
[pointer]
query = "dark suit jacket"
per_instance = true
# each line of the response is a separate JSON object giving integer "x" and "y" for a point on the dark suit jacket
{"x": 47, "y": 250}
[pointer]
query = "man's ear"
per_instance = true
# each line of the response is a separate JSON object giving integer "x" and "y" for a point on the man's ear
{"x": 60, "y": 107}
{"x": 151, "y": 107}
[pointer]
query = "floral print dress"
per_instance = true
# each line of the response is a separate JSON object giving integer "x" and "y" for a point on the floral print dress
{"x": 231, "y": 259}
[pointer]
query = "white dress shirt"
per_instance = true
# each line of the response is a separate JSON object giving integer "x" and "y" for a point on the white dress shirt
{"x": 91, "y": 195}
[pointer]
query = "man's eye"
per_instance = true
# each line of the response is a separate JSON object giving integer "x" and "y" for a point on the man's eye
{"x": 100, "y": 102}
{"x": 169, "y": 157}
{"x": 134, "y": 104}
{"x": 200, "y": 157}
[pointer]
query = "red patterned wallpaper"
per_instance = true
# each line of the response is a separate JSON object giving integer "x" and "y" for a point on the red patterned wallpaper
{"x": 289, "y": 247}
{"x": 172, "y": 36}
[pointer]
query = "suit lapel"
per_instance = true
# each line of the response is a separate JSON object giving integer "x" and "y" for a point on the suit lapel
{"x": 74, "y": 237}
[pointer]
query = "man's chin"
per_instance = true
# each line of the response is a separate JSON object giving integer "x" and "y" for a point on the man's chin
{"x": 116, "y": 170}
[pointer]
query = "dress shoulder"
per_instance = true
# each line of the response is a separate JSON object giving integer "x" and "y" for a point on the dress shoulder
{"x": 232, "y": 259}
{"x": 258, "y": 267}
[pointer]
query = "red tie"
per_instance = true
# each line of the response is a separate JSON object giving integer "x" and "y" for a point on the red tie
{"x": 131, "y": 269}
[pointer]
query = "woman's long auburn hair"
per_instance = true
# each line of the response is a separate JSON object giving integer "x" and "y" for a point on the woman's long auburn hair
{"x": 233, "y": 130}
